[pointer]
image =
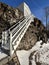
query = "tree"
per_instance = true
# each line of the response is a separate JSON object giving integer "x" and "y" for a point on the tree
{"x": 47, "y": 16}
{"x": 48, "y": 25}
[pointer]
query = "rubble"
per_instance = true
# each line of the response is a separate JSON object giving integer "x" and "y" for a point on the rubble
{"x": 40, "y": 30}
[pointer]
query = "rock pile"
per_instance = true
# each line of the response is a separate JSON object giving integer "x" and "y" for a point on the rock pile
{"x": 41, "y": 34}
{"x": 8, "y": 16}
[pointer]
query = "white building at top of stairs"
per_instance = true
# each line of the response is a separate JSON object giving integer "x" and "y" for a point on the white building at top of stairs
{"x": 25, "y": 9}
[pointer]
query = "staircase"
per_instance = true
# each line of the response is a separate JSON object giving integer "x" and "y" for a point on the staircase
{"x": 11, "y": 38}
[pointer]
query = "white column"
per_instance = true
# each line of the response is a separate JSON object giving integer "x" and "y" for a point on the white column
{"x": 11, "y": 44}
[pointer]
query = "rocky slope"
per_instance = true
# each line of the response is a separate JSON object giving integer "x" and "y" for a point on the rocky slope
{"x": 8, "y": 16}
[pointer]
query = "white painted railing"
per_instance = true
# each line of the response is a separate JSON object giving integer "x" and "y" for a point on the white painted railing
{"x": 12, "y": 37}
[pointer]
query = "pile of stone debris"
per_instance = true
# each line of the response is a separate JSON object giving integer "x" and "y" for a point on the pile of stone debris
{"x": 40, "y": 30}
{"x": 9, "y": 16}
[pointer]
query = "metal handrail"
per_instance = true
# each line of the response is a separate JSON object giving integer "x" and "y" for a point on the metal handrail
{"x": 26, "y": 21}
{"x": 21, "y": 27}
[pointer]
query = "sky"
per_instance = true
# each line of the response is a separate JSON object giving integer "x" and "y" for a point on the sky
{"x": 36, "y": 6}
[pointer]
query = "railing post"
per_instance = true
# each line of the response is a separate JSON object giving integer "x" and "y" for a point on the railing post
{"x": 3, "y": 37}
{"x": 10, "y": 43}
